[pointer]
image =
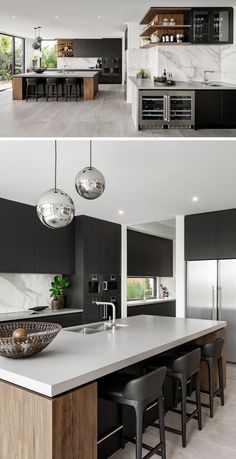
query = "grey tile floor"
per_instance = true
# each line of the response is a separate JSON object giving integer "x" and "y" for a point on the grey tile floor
{"x": 217, "y": 440}
{"x": 108, "y": 116}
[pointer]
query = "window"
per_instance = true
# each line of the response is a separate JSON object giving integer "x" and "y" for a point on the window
{"x": 49, "y": 53}
{"x": 12, "y": 57}
{"x": 140, "y": 288}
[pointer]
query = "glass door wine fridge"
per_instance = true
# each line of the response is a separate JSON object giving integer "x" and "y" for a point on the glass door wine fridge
{"x": 160, "y": 109}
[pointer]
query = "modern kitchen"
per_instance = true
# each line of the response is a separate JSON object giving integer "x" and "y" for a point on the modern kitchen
{"x": 117, "y": 299}
{"x": 165, "y": 70}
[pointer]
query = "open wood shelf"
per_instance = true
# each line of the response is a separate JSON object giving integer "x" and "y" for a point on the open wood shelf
{"x": 65, "y": 47}
{"x": 153, "y": 11}
{"x": 160, "y": 43}
{"x": 153, "y": 28}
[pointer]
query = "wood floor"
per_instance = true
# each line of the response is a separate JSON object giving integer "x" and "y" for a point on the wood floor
{"x": 217, "y": 440}
{"x": 108, "y": 116}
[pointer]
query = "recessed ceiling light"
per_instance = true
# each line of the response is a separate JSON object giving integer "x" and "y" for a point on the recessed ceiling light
{"x": 56, "y": 17}
{"x": 121, "y": 212}
{"x": 13, "y": 17}
{"x": 99, "y": 17}
{"x": 195, "y": 198}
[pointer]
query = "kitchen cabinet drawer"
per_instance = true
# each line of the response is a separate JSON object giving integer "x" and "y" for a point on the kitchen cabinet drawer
{"x": 210, "y": 235}
{"x": 167, "y": 308}
{"x": 229, "y": 108}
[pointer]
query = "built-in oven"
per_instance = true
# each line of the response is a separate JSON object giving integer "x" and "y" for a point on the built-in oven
{"x": 160, "y": 109}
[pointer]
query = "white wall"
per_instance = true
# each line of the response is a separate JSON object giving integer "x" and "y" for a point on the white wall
{"x": 19, "y": 292}
{"x": 180, "y": 267}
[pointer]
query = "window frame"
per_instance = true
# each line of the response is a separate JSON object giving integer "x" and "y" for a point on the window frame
{"x": 154, "y": 297}
{"x": 46, "y": 39}
{"x": 14, "y": 50}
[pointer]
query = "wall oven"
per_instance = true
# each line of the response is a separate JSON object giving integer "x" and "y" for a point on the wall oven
{"x": 166, "y": 109}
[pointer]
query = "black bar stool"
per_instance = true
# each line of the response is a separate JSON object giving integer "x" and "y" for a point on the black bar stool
{"x": 32, "y": 88}
{"x": 72, "y": 86}
{"x": 182, "y": 370}
{"x": 212, "y": 355}
{"x": 140, "y": 392}
{"x": 55, "y": 88}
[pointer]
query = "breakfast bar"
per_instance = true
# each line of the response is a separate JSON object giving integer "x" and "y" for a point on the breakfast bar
{"x": 49, "y": 401}
{"x": 90, "y": 82}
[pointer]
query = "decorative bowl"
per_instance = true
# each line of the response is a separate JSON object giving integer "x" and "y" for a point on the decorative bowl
{"x": 39, "y": 336}
{"x": 40, "y": 70}
{"x": 38, "y": 308}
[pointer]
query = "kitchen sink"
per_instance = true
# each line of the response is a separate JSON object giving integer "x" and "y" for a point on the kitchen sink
{"x": 211, "y": 84}
{"x": 96, "y": 328}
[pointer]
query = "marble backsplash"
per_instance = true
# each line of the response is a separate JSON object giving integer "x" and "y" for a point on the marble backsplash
{"x": 76, "y": 62}
{"x": 19, "y": 292}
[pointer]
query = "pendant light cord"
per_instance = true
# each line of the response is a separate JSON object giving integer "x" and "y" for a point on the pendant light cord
{"x": 55, "y": 164}
{"x": 90, "y": 144}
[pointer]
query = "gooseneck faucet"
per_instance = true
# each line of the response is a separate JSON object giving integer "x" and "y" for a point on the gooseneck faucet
{"x": 105, "y": 303}
{"x": 205, "y": 74}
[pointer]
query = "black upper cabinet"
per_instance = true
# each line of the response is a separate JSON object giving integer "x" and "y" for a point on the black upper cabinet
{"x": 87, "y": 47}
{"x": 210, "y": 235}
{"x": 149, "y": 255}
{"x": 27, "y": 246}
{"x": 100, "y": 47}
{"x": 212, "y": 25}
{"x": 111, "y": 47}
{"x": 98, "y": 246}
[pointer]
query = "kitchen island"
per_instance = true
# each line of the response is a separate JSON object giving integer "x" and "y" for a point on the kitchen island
{"x": 57, "y": 389}
{"x": 90, "y": 82}
{"x": 186, "y": 104}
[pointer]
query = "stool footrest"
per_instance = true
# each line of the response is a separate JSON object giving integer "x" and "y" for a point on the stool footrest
{"x": 169, "y": 429}
{"x": 152, "y": 449}
{"x": 189, "y": 416}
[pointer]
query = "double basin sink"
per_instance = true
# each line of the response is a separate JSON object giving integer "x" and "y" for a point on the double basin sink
{"x": 97, "y": 328}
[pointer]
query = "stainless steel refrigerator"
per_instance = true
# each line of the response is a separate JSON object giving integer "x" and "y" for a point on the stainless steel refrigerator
{"x": 211, "y": 294}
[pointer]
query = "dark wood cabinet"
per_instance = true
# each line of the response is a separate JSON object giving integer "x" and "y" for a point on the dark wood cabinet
{"x": 27, "y": 246}
{"x": 111, "y": 47}
{"x": 87, "y": 47}
{"x": 65, "y": 320}
{"x": 215, "y": 108}
{"x": 149, "y": 255}
{"x": 167, "y": 308}
{"x": 210, "y": 235}
{"x": 208, "y": 108}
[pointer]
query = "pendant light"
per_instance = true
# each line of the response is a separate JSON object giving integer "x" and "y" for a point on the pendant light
{"x": 39, "y": 38}
{"x": 89, "y": 182}
{"x": 55, "y": 208}
{"x": 35, "y": 44}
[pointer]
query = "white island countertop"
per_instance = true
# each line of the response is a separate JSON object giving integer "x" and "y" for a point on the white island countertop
{"x": 74, "y": 359}
{"x": 58, "y": 74}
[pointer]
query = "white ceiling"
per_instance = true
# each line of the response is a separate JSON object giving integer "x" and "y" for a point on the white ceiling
{"x": 79, "y": 18}
{"x": 150, "y": 180}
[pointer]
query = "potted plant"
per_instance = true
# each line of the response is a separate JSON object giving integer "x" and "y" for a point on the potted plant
{"x": 58, "y": 286}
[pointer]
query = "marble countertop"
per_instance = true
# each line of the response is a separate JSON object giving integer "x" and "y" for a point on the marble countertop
{"x": 148, "y": 83}
{"x": 5, "y": 316}
{"x": 74, "y": 359}
{"x": 58, "y": 74}
{"x": 153, "y": 300}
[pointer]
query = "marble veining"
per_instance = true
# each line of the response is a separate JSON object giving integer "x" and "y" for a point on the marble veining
{"x": 76, "y": 62}
{"x": 19, "y": 292}
{"x": 228, "y": 63}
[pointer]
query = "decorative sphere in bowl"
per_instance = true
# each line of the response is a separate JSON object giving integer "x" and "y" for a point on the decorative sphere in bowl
{"x": 16, "y": 344}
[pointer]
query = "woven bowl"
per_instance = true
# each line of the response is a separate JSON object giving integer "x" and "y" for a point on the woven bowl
{"x": 39, "y": 336}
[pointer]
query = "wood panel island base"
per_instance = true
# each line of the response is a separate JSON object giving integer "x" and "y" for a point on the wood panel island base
{"x": 49, "y": 403}
{"x": 90, "y": 82}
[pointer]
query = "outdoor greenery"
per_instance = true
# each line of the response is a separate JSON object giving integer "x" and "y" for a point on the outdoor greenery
{"x": 5, "y": 57}
{"x": 49, "y": 55}
{"x": 138, "y": 288}
{"x": 58, "y": 285}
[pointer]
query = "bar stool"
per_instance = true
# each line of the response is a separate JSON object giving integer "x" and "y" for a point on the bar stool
{"x": 211, "y": 353}
{"x": 33, "y": 84}
{"x": 181, "y": 370}
{"x": 73, "y": 83}
{"x": 125, "y": 389}
{"x": 54, "y": 85}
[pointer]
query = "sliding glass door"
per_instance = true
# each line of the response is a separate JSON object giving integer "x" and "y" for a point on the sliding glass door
{"x": 12, "y": 57}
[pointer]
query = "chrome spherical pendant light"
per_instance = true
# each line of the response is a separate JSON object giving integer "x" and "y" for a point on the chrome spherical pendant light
{"x": 55, "y": 208}
{"x": 90, "y": 182}
{"x": 39, "y": 38}
{"x": 35, "y": 44}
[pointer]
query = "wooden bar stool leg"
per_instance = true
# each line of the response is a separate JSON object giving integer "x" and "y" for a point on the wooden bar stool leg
{"x": 198, "y": 401}
{"x": 221, "y": 382}
{"x": 162, "y": 427}
{"x": 183, "y": 411}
